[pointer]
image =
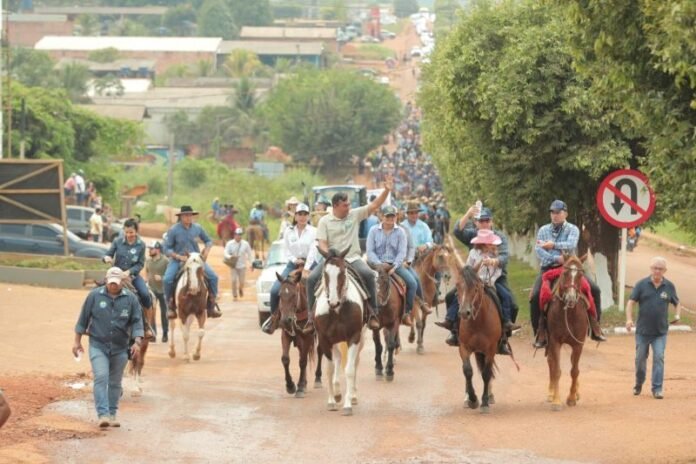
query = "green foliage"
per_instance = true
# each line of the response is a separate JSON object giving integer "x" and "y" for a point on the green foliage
{"x": 330, "y": 115}
{"x": 242, "y": 63}
{"x": 54, "y": 262}
{"x": 191, "y": 172}
{"x": 251, "y": 13}
{"x": 104, "y": 55}
{"x": 215, "y": 19}
{"x": 405, "y": 8}
{"x": 179, "y": 20}
{"x": 108, "y": 85}
{"x": 73, "y": 78}
{"x": 88, "y": 25}
{"x": 374, "y": 52}
{"x": 33, "y": 68}
{"x": 286, "y": 10}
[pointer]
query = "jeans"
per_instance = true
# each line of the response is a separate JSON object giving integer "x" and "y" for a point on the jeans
{"x": 275, "y": 289}
{"x": 419, "y": 287}
{"x": 108, "y": 372}
{"x": 658, "y": 343}
{"x": 411, "y": 286}
{"x": 452, "y": 304}
{"x": 173, "y": 268}
{"x": 238, "y": 279}
{"x": 368, "y": 275}
{"x": 505, "y": 298}
{"x": 143, "y": 293}
{"x": 163, "y": 314}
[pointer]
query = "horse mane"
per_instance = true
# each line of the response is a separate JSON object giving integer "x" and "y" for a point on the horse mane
{"x": 470, "y": 276}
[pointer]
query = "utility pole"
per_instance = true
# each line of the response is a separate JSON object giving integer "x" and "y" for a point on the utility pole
{"x": 22, "y": 126}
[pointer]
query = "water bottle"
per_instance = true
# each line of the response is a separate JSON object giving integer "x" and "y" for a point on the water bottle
{"x": 479, "y": 207}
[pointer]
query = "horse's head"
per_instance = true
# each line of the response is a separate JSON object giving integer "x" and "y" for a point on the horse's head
{"x": 335, "y": 278}
{"x": 442, "y": 256}
{"x": 467, "y": 287}
{"x": 194, "y": 267}
{"x": 293, "y": 300}
{"x": 571, "y": 280}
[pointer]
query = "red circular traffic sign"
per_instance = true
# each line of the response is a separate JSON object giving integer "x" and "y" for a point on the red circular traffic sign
{"x": 625, "y": 198}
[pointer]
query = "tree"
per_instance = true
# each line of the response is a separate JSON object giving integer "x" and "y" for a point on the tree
{"x": 73, "y": 79}
{"x": 509, "y": 121}
{"x": 254, "y": 13}
{"x": 216, "y": 20}
{"x": 33, "y": 68}
{"x": 88, "y": 24}
{"x": 242, "y": 63}
{"x": 108, "y": 86}
{"x": 329, "y": 114}
{"x": 405, "y": 8}
{"x": 179, "y": 20}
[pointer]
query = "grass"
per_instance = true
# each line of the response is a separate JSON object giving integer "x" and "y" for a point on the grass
{"x": 56, "y": 263}
{"x": 373, "y": 52}
{"x": 672, "y": 232}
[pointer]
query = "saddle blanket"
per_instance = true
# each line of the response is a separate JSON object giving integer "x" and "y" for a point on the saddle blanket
{"x": 546, "y": 294}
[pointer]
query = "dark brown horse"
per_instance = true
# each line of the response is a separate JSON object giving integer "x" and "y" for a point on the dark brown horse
{"x": 567, "y": 324}
{"x": 339, "y": 317}
{"x": 479, "y": 332}
{"x": 256, "y": 239}
{"x": 437, "y": 259}
{"x": 293, "y": 318}
{"x": 192, "y": 297}
{"x": 391, "y": 309}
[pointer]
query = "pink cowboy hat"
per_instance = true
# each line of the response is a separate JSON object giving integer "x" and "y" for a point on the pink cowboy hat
{"x": 486, "y": 237}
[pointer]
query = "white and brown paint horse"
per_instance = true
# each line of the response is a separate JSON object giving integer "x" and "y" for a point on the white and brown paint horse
{"x": 339, "y": 317}
{"x": 191, "y": 301}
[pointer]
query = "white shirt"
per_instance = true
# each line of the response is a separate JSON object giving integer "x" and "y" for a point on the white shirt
{"x": 240, "y": 249}
{"x": 489, "y": 274}
{"x": 301, "y": 246}
{"x": 79, "y": 184}
{"x": 96, "y": 224}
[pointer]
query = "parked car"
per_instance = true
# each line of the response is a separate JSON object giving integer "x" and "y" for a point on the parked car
{"x": 78, "y": 222}
{"x": 387, "y": 35}
{"x": 369, "y": 39}
{"x": 416, "y": 51}
{"x": 275, "y": 262}
{"x": 384, "y": 80}
{"x": 46, "y": 239}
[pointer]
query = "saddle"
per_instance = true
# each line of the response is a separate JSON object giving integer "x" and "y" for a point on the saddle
{"x": 354, "y": 277}
{"x": 179, "y": 273}
{"x": 546, "y": 294}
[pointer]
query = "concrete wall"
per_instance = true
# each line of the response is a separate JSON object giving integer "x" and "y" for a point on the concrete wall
{"x": 163, "y": 60}
{"x": 27, "y": 33}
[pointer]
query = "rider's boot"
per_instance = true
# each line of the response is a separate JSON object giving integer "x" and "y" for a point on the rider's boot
{"x": 407, "y": 320}
{"x": 596, "y": 333}
{"x": 540, "y": 341}
{"x": 147, "y": 317}
{"x": 373, "y": 320}
{"x": 446, "y": 324}
{"x": 424, "y": 307}
{"x": 453, "y": 339}
{"x": 171, "y": 309}
{"x": 213, "y": 309}
{"x": 271, "y": 324}
{"x": 509, "y": 326}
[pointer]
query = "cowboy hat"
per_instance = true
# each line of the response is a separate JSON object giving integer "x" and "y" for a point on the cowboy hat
{"x": 412, "y": 206}
{"x": 292, "y": 201}
{"x": 486, "y": 237}
{"x": 186, "y": 209}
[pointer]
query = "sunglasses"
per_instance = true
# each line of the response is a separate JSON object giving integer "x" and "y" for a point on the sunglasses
{"x": 483, "y": 220}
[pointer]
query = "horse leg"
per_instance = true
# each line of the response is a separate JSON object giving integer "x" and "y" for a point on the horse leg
{"x": 420, "y": 325}
{"x": 574, "y": 396}
{"x": 201, "y": 334}
{"x": 554, "y": 362}
{"x": 336, "y": 377}
{"x": 285, "y": 359}
{"x": 485, "y": 364}
{"x": 317, "y": 372}
{"x": 331, "y": 405}
{"x": 377, "y": 338}
{"x": 351, "y": 377}
{"x": 412, "y": 333}
{"x": 186, "y": 332}
{"x": 172, "y": 350}
{"x": 390, "y": 339}
{"x": 302, "y": 383}
{"x": 471, "y": 399}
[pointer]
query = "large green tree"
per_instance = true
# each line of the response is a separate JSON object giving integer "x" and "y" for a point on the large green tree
{"x": 251, "y": 13}
{"x": 404, "y": 8}
{"x": 509, "y": 120}
{"x": 215, "y": 19}
{"x": 330, "y": 115}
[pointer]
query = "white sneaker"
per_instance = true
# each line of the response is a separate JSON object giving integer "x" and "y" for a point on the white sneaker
{"x": 113, "y": 421}
{"x": 103, "y": 422}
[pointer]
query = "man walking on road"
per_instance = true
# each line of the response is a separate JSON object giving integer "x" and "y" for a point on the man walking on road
{"x": 112, "y": 315}
{"x": 653, "y": 294}
{"x": 239, "y": 255}
{"x": 156, "y": 267}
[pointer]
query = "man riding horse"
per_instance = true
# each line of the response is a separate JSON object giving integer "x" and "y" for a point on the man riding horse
{"x": 257, "y": 216}
{"x": 340, "y": 230}
{"x": 420, "y": 241}
{"x": 554, "y": 242}
{"x": 387, "y": 244}
{"x": 181, "y": 240}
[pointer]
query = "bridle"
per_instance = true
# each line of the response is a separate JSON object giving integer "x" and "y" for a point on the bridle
{"x": 293, "y": 318}
{"x": 571, "y": 294}
{"x": 341, "y": 291}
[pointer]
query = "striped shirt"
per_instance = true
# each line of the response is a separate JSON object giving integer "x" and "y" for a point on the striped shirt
{"x": 565, "y": 238}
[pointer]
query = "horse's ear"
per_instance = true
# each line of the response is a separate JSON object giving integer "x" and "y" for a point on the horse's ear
{"x": 280, "y": 277}
{"x": 343, "y": 254}
{"x": 583, "y": 258}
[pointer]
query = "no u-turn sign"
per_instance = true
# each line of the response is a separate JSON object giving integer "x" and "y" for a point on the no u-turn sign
{"x": 625, "y": 198}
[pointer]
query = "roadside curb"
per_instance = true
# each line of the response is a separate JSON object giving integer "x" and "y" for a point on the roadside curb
{"x": 672, "y": 328}
{"x": 676, "y": 247}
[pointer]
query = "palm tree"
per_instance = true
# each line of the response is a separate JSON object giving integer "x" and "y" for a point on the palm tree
{"x": 74, "y": 79}
{"x": 242, "y": 63}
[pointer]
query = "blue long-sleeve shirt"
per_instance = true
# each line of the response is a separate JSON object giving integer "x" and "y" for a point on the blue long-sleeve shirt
{"x": 181, "y": 240}
{"x": 128, "y": 257}
{"x": 387, "y": 248}
{"x": 565, "y": 238}
{"x": 111, "y": 320}
{"x": 420, "y": 232}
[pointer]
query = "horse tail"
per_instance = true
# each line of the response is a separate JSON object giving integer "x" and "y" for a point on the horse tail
{"x": 481, "y": 363}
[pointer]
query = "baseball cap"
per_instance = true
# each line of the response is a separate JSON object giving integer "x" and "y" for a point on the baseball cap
{"x": 486, "y": 213}
{"x": 301, "y": 208}
{"x": 239, "y": 231}
{"x": 114, "y": 275}
{"x": 558, "y": 205}
{"x": 389, "y": 210}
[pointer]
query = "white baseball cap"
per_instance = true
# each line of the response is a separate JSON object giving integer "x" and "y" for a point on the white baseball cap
{"x": 301, "y": 208}
{"x": 239, "y": 231}
{"x": 114, "y": 275}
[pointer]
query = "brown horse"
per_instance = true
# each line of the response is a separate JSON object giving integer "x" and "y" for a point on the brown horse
{"x": 567, "y": 324}
{"x": 135, "y": 365}
{"x": 256, "y": 239}
{"x": 339, "y": 317}
{"x": 192, "y": 297}
{"x": 391, "y": 309}
{"x": 479, "y": 332}
{"x": 437, "y": 259}
{"x": 293, "y": 318}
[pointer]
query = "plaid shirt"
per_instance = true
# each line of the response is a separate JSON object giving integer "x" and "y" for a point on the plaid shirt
{"x": 565, "y": 239}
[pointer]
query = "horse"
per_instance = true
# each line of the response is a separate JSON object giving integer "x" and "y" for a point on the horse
{"x": 567, "y": 324}
{"x": 293, "y": 318}
{"x": 135, "y": 365}
{"x": 479, "y": 332}
{"x": 436, "y": 260}
{"x": 256, "y": 239}
{"x": 192, "y": 297}
{"x": 339, "y": 317}
{"x": 391, "y": 310}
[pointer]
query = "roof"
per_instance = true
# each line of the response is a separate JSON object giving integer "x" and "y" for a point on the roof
{"x": 129, "y": 44}
{"x": 170, "y": 98}
{"x": 273, "y": 47}
{"x": 129, "y": 112}
{"x": 36, "y": 18}
{"x": 114, "y": 66}
{"x": 97, "y": 10}
{"x": 249, "y": 32}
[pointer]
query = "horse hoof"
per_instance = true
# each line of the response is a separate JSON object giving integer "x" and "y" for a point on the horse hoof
{"x": 571, "y": 402}
{"x": 354, "y": 401}
{"x": 411, "y": 337}
{"x": 338, "y": 398}
{"x": 389, "y": 377}
{"x": 332, "y": 407}
{"x": 379, "y": 374}
{"x": 136, "y": 393}
{"x": 472, "y": 404}
{"x": 420, "y": 349}
{"x": 172, "y": 354}
{"x": 549, "y": 399}
{"x": 556, "y": 407}
{"x": 299, "y": 394}
{"x": 317, "y": 384}
{"x": 291, "y": 389}
{"x": 196, "y": 357}
{"x": 347, "y": 412}
{"x": 485, "y": 410}
{"x": 491, "y": 399}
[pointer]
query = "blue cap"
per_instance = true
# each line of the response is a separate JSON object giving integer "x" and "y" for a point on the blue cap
{"x": 486, "y": 213}
{"x": 558, "y": 205}
{"x": 389, "y": 210}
